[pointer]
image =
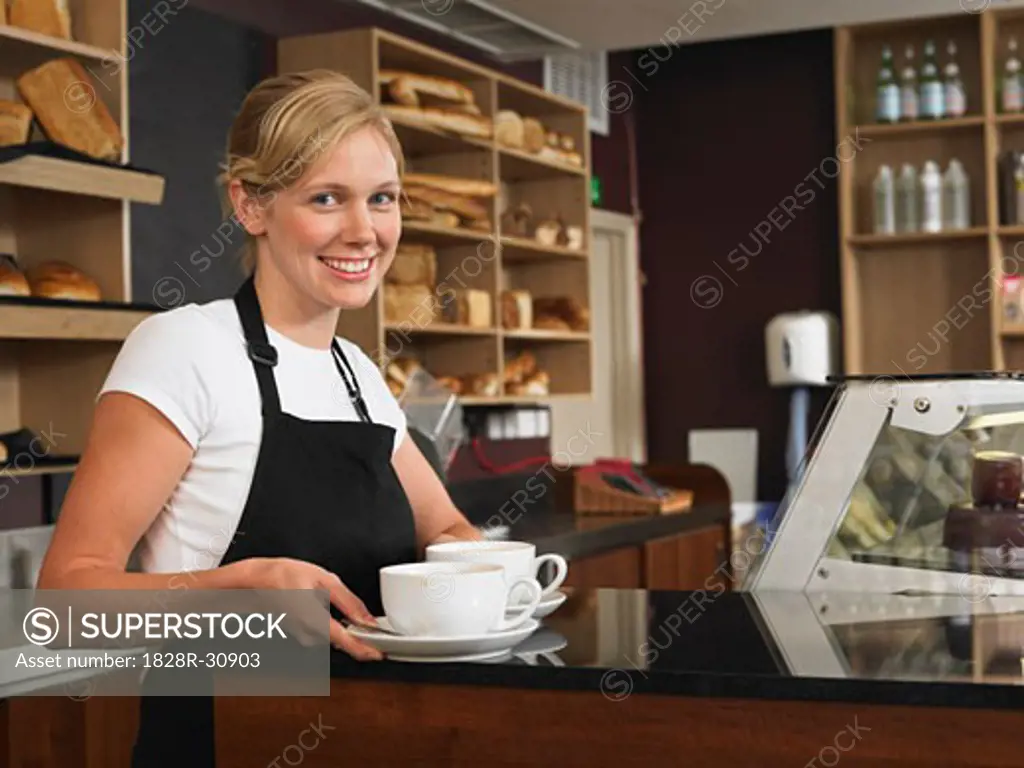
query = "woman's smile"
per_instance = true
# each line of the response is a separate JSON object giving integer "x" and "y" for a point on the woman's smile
{"x": 352, "y": 269}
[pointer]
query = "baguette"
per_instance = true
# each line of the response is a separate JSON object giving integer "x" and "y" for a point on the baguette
{"x": 12, "y": 279}
{"x": 63, "y": 97}
{"x": 452, "y": 184}
{"x": 439, "y": 199}
{"x": 444, "y": 119}
{"x": 15, "y": 122}
{"x": 48, "y": 17}
{"x": 406, "y": 87}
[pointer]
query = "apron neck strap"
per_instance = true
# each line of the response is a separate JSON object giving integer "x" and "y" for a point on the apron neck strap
{"x": 258, "y": 347}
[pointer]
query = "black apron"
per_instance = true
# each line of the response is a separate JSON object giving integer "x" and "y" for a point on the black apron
{"x": 322, "y": 491}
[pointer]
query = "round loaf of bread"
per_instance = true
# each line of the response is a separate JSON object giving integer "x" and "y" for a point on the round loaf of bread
{"x": 60, "y": 280}
{"x": 12, "y": 281}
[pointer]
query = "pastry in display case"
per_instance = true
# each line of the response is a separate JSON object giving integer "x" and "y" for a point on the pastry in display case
{"x": 910, "y": 485}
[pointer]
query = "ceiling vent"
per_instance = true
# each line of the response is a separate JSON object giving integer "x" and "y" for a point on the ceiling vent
{"x": 503, "y": 35}
{"x": 582, "y": 77}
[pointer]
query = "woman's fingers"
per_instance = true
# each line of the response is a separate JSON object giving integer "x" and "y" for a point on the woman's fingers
{"x": 346, "y": 602}
{"x": 357, "y": 649}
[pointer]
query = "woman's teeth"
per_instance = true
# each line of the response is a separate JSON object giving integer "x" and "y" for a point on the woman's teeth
{"x": 348, "y": 265}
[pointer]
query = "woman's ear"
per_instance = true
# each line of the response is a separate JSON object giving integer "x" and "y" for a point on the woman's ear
{"x": 248, "y": 209}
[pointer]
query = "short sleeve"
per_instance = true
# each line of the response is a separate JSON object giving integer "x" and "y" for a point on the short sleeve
{"x": 383, "y": 406}
{"x": 159, "y": 363}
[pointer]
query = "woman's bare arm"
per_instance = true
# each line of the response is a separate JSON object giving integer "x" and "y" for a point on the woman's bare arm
{"x": 437, "y": 517}
{"x": 132, "y": 462}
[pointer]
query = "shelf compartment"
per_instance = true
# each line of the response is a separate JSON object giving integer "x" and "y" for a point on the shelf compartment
{"x": 916, "y": 238}
{"x": 88, "y": 179}
{"x": 882, "y": 130}
{"x": 20, "y": 321}
{"x": 1013, "y": 331}
{"x": 520, "y": 249}
{"x": 518, "y": 165}
{"x": 567, "y": 363}
{"x": 423, "y": 140}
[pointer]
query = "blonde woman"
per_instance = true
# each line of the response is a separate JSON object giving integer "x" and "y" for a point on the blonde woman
{"x": 240, "y": 440}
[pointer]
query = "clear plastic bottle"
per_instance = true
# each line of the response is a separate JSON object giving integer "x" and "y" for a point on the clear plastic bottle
{"x": 932, "y": 92}
{"x": 907, "y": 200}
{"x": 956, "y": 197}
{"x": 908, "y": 88}
{"x": 931, "y": 197}
{"x": 1011, "y": 91}
{"x": 953, "y": 85}
{"x": 885, "y": 202}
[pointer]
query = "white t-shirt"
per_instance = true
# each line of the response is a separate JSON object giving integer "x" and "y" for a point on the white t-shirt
{"x": 191, "y": 364}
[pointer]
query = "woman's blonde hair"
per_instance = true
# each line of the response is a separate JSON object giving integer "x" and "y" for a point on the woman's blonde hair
{"x": 286, "y": 123}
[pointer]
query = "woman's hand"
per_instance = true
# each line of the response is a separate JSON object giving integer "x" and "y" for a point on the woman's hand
{"x": 285, "y": 573}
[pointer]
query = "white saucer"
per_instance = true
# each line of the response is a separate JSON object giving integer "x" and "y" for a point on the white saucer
{"x": 547, "y": 606}
{"x": 491, "y": 656}
{"x": 418, "y": 647}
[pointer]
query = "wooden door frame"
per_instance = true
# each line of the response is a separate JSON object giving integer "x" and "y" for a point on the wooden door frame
{"x": 627, "y": 333}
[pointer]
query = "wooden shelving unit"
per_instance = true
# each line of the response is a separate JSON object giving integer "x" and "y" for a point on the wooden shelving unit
{"x": 55, "y": 355}
{"x": 499, "y": 262}
{"x": 921, "y": 302}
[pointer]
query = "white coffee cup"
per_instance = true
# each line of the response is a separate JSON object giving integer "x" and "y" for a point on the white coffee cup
{"x": 518, "y": 558}
{"x": 452, "y": 599}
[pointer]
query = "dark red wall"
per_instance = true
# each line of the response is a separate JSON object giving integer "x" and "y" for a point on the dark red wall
{"x": 726, "y": 131}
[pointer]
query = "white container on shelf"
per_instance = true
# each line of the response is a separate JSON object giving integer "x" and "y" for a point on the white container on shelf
{"x": 956, "y": 197}
{"x": 931, "y": 197}
{"x": 907, "y": 206}
{"x": 885, "y": 202}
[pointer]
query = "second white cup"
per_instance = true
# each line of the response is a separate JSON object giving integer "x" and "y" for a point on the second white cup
{"x": 518, "y": 558}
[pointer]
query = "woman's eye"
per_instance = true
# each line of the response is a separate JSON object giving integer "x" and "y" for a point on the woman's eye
{"x": 325, "y": 198}
{"x": 383, "y": 198}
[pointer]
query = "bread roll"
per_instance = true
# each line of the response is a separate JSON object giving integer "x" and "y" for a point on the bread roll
{"x": 409, "y": 304}
{"x": 454, "y": 184}
{"x": 467, "y": 306}
{"x": 406, "y": 88}
{"x": 574, "y": 237}
{"x": 439, "y": 199}
{"x": 48, "y": 17}
{"x": 445, "y": 219}
{"x": 516, "y": 310}
{"x": 454, "y": 383}
{"x": 518, "y": 222}
{"x": 12, "y": 280}
{"x": 566, "y": 309}
{"x": 64, "y": 99}
{"x": 559, "y": 155}
{"x": 534, "y": 135}
{"x": 414, "y": 264}
{"x": 547, "y": 232}
{"x": 482, "y": 384}
{"x": 15, "y": 122}
{"x": 519, "y": 367}
{"x": 60, "y": 280}
{"x": 443, "y": 119}
{"x": 508, "y": 129}
{"x": 537, "y": 384}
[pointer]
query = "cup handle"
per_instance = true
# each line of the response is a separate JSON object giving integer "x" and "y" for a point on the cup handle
{"x": 525, "y": 610}
{"x": 561, "y": 571}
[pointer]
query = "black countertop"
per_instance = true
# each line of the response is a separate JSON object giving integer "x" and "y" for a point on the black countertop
{"x": 881, "y": 649}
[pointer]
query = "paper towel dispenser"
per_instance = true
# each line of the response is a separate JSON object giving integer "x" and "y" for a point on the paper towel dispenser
{"x": 802, "y": 348}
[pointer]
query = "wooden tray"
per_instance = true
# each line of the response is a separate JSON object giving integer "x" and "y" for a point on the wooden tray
{"x": 592, "y": 496}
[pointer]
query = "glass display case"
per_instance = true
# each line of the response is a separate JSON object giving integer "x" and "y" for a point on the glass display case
{"x": 910, "y": 485}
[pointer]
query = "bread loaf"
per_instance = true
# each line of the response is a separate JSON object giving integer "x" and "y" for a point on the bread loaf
{"x": 416, "y": 210}
{"x": 439, "y": 199}
{"x": 519, "y": 367}
{"x": 453, "y": 184}
{"x": 508, "y": 129}
{"x": 482, "y": 384}
{"x": 550, "y": 323}
{"x": 60, "y": 280}
{"x": 565, "y": 309}
{"x": 12, "y": 280}
{"x": 516, "y": 310}
{"x": 409, "y": 304}
{"x": 3, "y": 11}
{"x": 414, "y": 264}
{"x": 534, "y": 135}
{"x": 407, "y": 88}
{"x": 454, "y": 383}
{"x": 467, "y": 306}
{"x": 547, "y": 233}
{"x": 559, "y": 155}
{"x": 48, "y": 17}
{"x": 537, "y": 384}
{"x": 574, "y": 237}
{"x": 443, "y": 119}
{"x": 444, "y": 219}
{"x": 64, "y": 99}
{"x": 15, "y": 122}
